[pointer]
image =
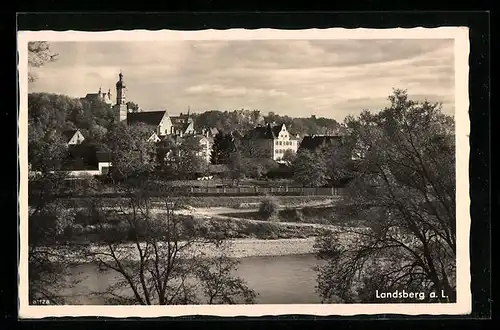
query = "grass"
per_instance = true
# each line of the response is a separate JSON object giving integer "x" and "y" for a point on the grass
{"x": 208, "y": 228}
{"x": 333, "y": 215}
{"x": 212, "y": 201}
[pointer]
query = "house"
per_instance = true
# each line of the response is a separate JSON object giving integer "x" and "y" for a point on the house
{"x": 182, "y": 125}
{"x": 73, "y": 137}
{"x": 217, "y": 169}
{"x": 270, "y": 141}
{"x": 209, "y": 132}
{"x": 314, "y": 142}
{"x": 103, "y": 162}
{"x": 206, "y": 143}
{"x": 159, "y": 121}
{"x": 213, "y": 131}
{"x": 154, "y": 138}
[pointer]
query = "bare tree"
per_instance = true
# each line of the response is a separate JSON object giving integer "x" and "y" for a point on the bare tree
{"x": 405, "y": 188}
{"x": 160, "y": 257}
{"x": 39, "y": 54}
{"x": 48, "y": 221}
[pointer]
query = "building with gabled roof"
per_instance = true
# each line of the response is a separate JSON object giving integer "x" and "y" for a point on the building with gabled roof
{"x": 183, "y": 125}
{"x": 270, "y": 141}
{"x": 73, "y": 137}
{"x": 314, "y": 142}
{"x": 206, "y": 144}
{"x": 159, "y": 121}
{"x": 100, "y": 96}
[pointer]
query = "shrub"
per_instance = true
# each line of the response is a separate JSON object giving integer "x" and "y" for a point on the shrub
{"x": 269, "y": 208}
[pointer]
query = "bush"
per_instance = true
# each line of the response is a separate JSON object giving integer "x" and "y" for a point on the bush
{"x": 269, "y": 208}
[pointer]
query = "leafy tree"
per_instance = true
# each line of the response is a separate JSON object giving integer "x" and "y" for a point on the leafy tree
{"x": 52, "y": 111}
{"x": 39, "y": 54}
{"x": 338, "y": 159}
{"x": 134, "y": 107}
{"x": 237, "y": 166}
{"x": 46, "y": 149}
{"x": 289, "y": 156}
{"x": 269, "y": 208}
{"x": 181, "y": 160}
{"x": 97, "y": 134}
{"x": 132, "y": 155}
{"x": 222, "y": 148}
{"x": 405, "y": 185}
{"x": 95, "y": 112}
{"x": 310, "y": 168}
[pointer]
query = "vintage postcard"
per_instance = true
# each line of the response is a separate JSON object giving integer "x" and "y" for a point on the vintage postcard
{"x": 244, "y": 172}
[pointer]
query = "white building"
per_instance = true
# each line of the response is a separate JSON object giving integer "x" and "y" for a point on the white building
{"x": 271, "y": 141}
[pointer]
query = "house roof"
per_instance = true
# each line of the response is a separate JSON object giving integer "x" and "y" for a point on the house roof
{"x": 313, "y": 142}
{"x": 261, "y": 132}
{"x": 217, "y": 168}
{"x": 266, "y": 132}
{"x": 152, "y": 118}
{"x": 69, "y": 133}
{"x": 183, "y": 127}
{"x": 103, "y": 156}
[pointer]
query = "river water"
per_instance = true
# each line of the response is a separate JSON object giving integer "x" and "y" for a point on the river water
{"x": 277, "y": 280}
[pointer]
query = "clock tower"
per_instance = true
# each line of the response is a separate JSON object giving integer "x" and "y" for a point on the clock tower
{"x": 121, "y": 103}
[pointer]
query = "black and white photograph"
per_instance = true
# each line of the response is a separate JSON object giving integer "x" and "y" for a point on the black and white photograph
{"x": 238, "y": 172}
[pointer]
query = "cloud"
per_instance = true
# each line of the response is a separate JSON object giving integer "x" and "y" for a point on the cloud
{"x": 331, "y": 78}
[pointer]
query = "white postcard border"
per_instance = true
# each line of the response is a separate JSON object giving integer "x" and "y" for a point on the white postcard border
{"x": 464, "y": 297}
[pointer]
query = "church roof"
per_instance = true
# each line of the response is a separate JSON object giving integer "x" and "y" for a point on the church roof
{"x": 152, "y": 118}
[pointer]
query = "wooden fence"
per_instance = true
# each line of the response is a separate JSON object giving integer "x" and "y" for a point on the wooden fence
{"x": 306, "y": 191}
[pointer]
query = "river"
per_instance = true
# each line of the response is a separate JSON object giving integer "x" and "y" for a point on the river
{"x": 277, "y": 280}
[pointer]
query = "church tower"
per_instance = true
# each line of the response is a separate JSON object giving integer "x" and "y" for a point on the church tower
{"x": 121, "y": 103}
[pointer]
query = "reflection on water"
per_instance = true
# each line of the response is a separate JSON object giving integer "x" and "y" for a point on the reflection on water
{"x": 277, "y": 280}
{"x": 281, "y": 280}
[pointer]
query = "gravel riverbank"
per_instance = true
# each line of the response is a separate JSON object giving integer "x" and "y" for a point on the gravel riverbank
{"x": 242, "y": 248}
{"x": 238, "y": 248}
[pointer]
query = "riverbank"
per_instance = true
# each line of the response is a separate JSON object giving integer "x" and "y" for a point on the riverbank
{"x": 235, "y": 248}
{"x": 242, "y": 248}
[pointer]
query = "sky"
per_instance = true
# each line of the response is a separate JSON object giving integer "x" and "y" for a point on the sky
{"x": 299, "y": 78}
